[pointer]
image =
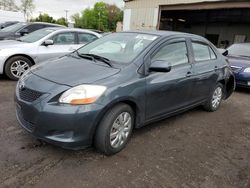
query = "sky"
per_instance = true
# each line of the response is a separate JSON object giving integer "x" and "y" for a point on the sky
{"x": 56, "y": 8}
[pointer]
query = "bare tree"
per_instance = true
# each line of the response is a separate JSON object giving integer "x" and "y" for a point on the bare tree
{"x": 27, "y": 7}
{"x": 8, "y": 5}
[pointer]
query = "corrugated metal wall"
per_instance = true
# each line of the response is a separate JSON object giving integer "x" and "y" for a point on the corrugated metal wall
{"x": 144, "y": 13}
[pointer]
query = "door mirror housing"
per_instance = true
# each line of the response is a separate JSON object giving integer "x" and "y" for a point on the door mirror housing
{"x": 225, "y": 53}
{"x": 160, "y": 66}
{"x": 24, "y": 32}
{"x": 48, "y": 42}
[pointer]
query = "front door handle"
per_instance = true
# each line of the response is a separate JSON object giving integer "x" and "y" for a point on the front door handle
{"x": 189, "y": 74}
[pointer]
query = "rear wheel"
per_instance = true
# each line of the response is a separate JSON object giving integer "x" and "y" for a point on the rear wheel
{"x": 215, "y": 99}
{"x": 16, "y": 66}
{"x": 115, "y": 129}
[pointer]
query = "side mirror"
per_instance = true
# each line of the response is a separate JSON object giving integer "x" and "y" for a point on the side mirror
{"x": 160, "y": 66}
{"x": 225, "y": 53}
{"x": 24, "y": 32}
{"x": 48, "y": 42}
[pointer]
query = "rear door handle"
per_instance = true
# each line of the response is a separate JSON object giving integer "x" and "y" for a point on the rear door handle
{"x": 189, "y": 74}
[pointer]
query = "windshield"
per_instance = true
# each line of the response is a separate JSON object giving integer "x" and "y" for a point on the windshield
{"x": 239, "y": 50}
{"x": 14, "y": 28}
{"x": 119, "y": 47}
{"x": 36, "y": 36}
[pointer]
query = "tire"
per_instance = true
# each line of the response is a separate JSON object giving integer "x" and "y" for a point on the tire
{"x": 213, "y": 104}
{"x": 110, "y": 124}
{"x": 16, "y": 66}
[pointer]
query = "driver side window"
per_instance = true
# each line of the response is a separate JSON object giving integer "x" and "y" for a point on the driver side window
{"x": 174, "y": 53}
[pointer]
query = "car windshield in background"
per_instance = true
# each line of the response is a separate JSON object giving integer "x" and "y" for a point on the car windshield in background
{"x": 119, "y": 47}
{"x": 36, "y": 36}
{"x": 239, "y": 50}
{"x": 14, "y": 28}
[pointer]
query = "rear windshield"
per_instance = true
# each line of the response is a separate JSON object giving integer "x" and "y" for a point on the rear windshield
{"x": 36, "y": 36}
{"x": 14, "y": 28}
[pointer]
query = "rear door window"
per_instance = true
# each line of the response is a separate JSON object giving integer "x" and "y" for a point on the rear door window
{"x": 85, "y": 38}
{"x": 202, "y": 52}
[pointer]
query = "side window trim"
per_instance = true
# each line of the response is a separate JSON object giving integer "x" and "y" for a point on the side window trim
{"x": 169, "y": 42}
{"x": 211, "y": 50}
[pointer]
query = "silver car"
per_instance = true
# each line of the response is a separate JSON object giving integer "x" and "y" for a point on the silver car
{"x": 18, "y": 56}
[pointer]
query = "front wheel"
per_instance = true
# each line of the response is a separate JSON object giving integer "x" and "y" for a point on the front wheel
{"x": 215, "y": 99}
{"x": 16, "y": 66}
{"x": 115, "y": 129}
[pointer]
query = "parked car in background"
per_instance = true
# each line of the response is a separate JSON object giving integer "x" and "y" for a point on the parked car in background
{"x": 7, "y": 24}
{"x": 239, "y": 58}
{"x": 20, "y": 29}
{"x": 17, "y": 56}
{"x": 101, "y": 92}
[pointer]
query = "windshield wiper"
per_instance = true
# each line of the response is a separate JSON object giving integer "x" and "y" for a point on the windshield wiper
{"x": 86, "y": 56}
{"x": 97, "y": 57}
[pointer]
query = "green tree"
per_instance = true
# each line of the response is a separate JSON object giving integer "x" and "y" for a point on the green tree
{"x": 61, "y": 21}
{"x": 27, "y": 7}
{"x": 44, "y": 18}
{"x": 49, "y": 19}
{"x": 102, "y": 17}
{"x": 77, "y": 19}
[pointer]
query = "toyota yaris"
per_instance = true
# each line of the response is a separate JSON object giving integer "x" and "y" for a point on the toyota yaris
{"x": 101, "y": 92}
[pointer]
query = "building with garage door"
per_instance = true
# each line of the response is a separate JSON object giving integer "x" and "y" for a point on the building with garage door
{"x": 222, "y": 22}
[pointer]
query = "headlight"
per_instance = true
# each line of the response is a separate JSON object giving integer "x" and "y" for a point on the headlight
{"x": 82, "y": 94}
{"x": 247, "y": 70}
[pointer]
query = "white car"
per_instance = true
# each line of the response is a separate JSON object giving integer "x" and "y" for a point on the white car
{"x": 17, "y": 56}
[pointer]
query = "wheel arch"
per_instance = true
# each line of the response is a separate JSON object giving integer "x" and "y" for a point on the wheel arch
{"x": 15, "y": 55}
{"x": 229, "y": 86}
{"x": 129, "y": 101}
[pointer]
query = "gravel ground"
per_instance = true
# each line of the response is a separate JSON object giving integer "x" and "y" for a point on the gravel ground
{"x": 194, "y": 149}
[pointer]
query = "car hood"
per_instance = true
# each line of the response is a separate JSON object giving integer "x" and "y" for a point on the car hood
{"x": 6, "y": 35}
{"x": 72, "y": 71}
{"x": 239, "y": 61}
{"x": 12, "y": 44}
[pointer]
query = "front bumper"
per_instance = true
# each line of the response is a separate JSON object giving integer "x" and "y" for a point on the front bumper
{"x": 242, "y": 79}
{"x": 3, "y": 59}
{"x": 67, "y": 126}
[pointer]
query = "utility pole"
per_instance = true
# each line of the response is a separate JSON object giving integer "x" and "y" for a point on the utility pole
{"x": 66, "y": 12}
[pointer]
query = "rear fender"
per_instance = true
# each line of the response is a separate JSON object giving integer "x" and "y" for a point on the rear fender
{"x": 230, "y": 84}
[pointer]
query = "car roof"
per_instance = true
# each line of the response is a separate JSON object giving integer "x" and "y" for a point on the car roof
{"x": 43, "y": 23}
{"x": 72, "y": 29}
{"x": 164, "y": 33}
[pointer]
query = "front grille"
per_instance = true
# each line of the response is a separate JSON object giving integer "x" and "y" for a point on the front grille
{"x": 236, "y": 69}
{"x": 241, "y": 82}
{"x": 29, "y": 95}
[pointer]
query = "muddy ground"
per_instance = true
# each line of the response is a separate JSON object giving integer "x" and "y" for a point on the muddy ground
{"x": 194, "y": 149}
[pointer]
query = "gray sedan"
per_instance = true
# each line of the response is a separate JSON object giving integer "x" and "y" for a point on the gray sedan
{"x": 18, "y": 56}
